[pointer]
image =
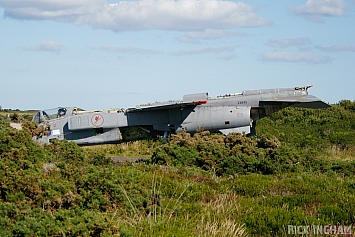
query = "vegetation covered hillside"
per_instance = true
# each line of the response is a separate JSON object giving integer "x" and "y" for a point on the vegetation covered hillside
{"x": 298, "y": 170}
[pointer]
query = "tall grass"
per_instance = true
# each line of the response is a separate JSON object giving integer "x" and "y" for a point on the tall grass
{"x": 127, "y": 149}
{"x": 162, "y": 217}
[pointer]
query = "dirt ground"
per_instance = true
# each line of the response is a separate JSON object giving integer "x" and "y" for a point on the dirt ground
{"x": 16, "y": 125}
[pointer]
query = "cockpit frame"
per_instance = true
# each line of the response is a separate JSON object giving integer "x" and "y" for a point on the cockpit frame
{"x": 51, "y": 114}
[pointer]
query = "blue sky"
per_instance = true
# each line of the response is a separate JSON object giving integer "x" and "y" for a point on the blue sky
{"x": 110, "y": 54}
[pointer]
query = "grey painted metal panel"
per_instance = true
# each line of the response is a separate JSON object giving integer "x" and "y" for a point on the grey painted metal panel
{"x": 97, "y": 120}
{"x": 111, "y": 136}
{"x": 228, "y": 113}
{"x": 194, "y": 97}
{"x": 216, "y": 118}
{"x": 245, "y": 130}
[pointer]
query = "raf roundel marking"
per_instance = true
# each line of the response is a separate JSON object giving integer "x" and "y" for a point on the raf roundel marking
{"x": 97, "y": 120}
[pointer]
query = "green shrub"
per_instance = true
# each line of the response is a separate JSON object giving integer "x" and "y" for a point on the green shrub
{"x": 236, "y": 153}
{"x": 299, "y": 171}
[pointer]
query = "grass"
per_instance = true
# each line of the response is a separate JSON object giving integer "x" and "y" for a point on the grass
{"x": 170, "y": 210}
{"x": 186, "y": 202}
{"x": 22, "y": 115}
{"x": 300, "y": 171}
{"x": 129, "y": 149}
{"x": 337, "y": 153}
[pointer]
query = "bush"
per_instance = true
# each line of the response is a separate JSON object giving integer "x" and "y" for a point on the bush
{"x": 298, "y": 172}
{"x": 230, "y": 154}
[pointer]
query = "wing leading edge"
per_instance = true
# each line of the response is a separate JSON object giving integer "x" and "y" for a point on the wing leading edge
{"x": 188, "y": 101}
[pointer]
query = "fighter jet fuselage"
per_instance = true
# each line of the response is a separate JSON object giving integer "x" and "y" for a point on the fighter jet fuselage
{"x": 226, "y": 114}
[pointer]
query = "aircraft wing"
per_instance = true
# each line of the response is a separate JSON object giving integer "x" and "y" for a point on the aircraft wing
{"x": 304, "y": 101}
{"x": 166, "y": 106}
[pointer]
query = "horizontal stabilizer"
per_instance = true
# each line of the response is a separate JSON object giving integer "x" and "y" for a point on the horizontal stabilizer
{"x": 306, "y": 101}
{"x": 312, "y": 105}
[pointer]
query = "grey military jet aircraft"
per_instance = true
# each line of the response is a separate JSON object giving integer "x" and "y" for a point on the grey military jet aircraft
{"x": 230, "y": 113}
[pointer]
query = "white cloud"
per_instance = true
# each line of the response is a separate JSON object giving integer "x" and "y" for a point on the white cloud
{"x": 113, "y": 49}
{"x": 46, "y": 46}
{"x": 59, "y": 10}
{"x": 289, "y": 42}
{"x": 337, "y": 48}
{"x": 208, "y": 34}
{"x": 206, "y": 50}
{"x": 315, "y": 9}
{"x": 185, "y": 15}
{"x": 293, "y": 57}
{"x": 228, "y": 57}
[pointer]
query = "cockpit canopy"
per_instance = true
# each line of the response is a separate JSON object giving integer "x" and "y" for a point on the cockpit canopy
{"x": 50, "y": 114}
